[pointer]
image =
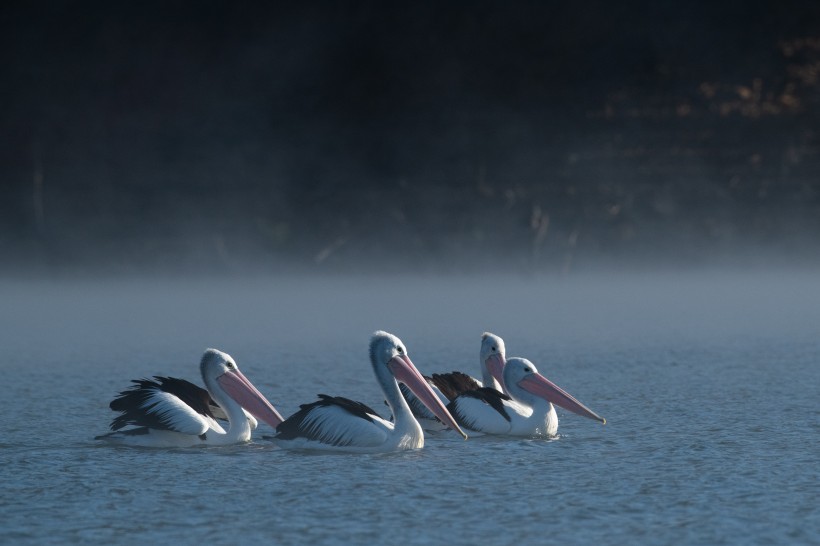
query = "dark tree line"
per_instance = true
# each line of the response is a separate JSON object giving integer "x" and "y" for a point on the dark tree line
{"x": 462, "y": 135}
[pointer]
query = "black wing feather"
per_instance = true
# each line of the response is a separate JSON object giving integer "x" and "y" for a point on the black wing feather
{"x": 294, "y": 426}
{"x": 131, "y": 401}
{"x": 454, "y": 383}
{"x": 489, "y": 396}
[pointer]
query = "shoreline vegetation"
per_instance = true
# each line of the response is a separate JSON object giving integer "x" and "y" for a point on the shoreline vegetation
{"x": 384, "y": 142}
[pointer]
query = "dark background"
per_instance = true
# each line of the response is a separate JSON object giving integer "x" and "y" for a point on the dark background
{"x": 439, "y": 136}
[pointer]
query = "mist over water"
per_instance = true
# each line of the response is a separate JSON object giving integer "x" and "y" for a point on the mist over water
{"x": 547, "y": 310}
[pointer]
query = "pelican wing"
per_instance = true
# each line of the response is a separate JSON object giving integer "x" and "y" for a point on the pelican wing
{"x": 335, "y": 421}
{"x": 217, "y": 411}
{"x": 165, "y": 404}
{"x": 454, "y": 383}
{"x": 482, "y": 410}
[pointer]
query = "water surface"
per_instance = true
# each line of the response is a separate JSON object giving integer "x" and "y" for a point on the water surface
{"x": 709, "y": 384}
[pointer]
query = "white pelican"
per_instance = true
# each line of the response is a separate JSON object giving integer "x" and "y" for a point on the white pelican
{"x": 340, "y": 424}
{"x": 526, "y": 410}
{"x": 171, "y": 412}
{"x": 449, "y": 385}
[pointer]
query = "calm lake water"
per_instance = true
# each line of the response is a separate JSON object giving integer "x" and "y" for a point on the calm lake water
{"x": 709, "y": 383}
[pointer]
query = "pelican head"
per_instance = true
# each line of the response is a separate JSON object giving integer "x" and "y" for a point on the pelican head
{"x": 493, "y": 357}
{"x": 388, "y": 353}
{"x": 221, "y": 374}
{"x": 522, "y": 377}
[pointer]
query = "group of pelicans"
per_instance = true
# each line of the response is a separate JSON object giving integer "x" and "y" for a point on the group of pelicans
{"x": 511, "y": 399}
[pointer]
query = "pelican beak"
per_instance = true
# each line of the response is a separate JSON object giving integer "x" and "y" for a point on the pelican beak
{"x": 403, "y": 370}
{"x": 495, "y": 365}
{"x": 539, "y": 385}
{"x": 246, "y": 395}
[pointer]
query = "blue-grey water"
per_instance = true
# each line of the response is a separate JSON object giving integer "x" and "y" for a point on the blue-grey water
{"x": 709, "y": 383}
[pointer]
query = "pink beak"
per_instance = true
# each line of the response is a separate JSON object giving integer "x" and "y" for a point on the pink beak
{"x": 404, "y": 371}
{"x": 495, "y": 365}
{"x": 246, "y": 395}
{"x": 539, "y": 385}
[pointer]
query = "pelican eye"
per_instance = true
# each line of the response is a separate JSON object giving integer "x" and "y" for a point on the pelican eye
{"x": 230, "y": 365}
{"x": 494, "y": 349}
{"x": 401, "y": 351}
{"x": 527, "y": 370}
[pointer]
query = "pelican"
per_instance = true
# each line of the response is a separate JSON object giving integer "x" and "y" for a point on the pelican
{"x": 525, "y": 410}
{"x": 169, "y": 412}
{"x": 450, "y": 385}
{"x": 340, "y": 424}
